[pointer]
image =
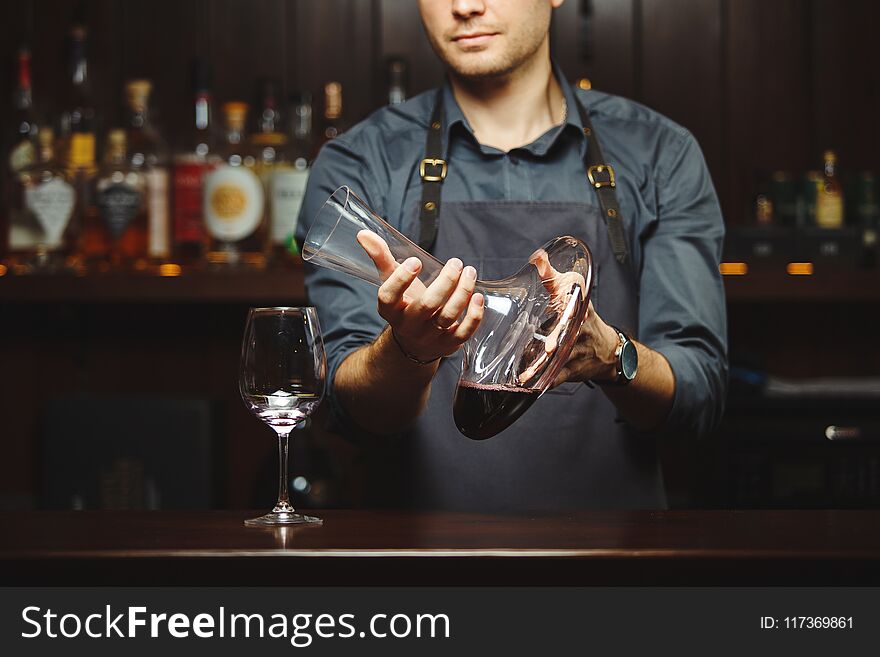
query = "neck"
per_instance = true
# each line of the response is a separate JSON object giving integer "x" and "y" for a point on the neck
{"x": 513, "y": 110}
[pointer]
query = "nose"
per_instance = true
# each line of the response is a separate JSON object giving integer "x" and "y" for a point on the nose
{"x": 468, "y": 8}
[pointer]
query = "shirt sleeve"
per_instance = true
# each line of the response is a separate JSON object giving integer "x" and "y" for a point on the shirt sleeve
{"x": 682, "y": 312}
{"x": 347, "y": 306}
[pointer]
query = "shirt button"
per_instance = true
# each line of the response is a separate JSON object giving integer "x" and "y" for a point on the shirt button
{"x": 513, "y": 159}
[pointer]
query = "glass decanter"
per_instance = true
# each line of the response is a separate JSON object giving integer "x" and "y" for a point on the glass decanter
{"x": 531, "y": 319}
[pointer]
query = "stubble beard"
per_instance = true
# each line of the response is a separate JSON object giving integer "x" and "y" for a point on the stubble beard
{"x": 471, "y": 67}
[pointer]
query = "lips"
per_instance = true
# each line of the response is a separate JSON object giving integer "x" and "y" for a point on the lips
{"x": 474, "y": 38}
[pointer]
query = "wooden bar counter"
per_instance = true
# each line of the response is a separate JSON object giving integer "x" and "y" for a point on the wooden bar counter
{"x": 141, "y": 548}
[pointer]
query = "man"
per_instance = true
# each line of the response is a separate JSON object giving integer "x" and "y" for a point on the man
{"x": 500, "y": 160}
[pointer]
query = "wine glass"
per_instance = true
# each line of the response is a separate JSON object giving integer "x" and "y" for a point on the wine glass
{"x": 283, "y": 370}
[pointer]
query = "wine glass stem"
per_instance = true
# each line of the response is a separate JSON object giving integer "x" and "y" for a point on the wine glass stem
{"x": 283, "y": 503}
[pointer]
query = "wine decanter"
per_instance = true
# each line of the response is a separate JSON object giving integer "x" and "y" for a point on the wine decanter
{"x": 530, "y": 323}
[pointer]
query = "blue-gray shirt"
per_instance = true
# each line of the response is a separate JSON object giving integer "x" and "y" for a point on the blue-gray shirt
{"x": 671, "y": 214}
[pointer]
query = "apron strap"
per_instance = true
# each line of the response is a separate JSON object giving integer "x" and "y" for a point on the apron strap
{"x": 432, "y": 171}
{"x": 601, "y": 177}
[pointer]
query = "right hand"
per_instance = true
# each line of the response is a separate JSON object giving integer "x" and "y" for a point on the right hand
{"x": 425, "y": 319}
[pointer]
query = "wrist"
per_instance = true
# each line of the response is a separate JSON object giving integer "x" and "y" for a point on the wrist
{"x": 609, "y": 351}
{"x": 402, "y": 351}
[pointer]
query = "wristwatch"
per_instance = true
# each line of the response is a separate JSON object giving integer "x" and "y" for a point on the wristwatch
{"x": 627, "y": 361}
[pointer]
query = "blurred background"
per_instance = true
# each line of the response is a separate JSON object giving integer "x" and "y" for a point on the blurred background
{"x": 122, "y": 299}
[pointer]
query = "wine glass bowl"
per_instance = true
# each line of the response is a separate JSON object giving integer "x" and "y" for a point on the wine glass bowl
{"x": 282, "y": 379}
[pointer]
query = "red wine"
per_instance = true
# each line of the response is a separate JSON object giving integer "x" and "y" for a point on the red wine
{"x": 481, "y": 410}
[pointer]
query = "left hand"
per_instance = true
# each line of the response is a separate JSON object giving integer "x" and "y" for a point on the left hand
{"x": 592, "y": 356}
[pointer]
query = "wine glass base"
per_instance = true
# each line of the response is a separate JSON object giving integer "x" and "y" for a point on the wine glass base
{"x": 281, "y": 518}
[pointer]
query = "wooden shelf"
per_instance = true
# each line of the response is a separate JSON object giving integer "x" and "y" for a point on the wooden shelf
{"x": 282, "y": 287}
{"x": 285, "y": 286}
{"x": 823, "y": 286}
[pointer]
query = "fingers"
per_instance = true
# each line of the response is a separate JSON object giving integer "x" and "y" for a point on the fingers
{"x": 391, "y": 292}
{"x": 468, "y": 326}
{"x": 438, "y": 292}
{"x": 542, "y": 262}
{"x": 378, "y": 251}
{"x": 459, "y": 300}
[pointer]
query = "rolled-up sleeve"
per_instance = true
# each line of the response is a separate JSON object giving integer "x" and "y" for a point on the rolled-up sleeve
{"x": 682, "y": 310}
{"x": 346, "y": 305}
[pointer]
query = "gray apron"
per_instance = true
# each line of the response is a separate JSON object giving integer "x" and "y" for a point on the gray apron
{"x": 568, "y": 450}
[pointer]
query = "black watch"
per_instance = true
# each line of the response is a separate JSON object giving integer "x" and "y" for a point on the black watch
{"x": 627, "y": 360}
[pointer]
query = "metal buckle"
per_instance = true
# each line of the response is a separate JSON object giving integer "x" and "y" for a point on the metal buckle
{"x": 601, "y": 169}
{"x": 434, "y": 163}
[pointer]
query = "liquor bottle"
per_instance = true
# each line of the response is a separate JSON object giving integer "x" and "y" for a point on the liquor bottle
{"x": 41, "y": 233}
{"x": 23, "y": 150}
{"x": 289, "y": 178}
{"x": 20, "y": 147}
{"x": 783, "y": 193}
{"x": 234, "y": 199}
{"x": 334, "y": 124}
{"x": 867, "y": 203}
{"x": 829, "y": 195}
{"x": 148, "y": 153}
{"x": 189, "y": 174}
{"x": 397, "y": 71}
{"x": 269, "y": 141}
{"x": 78, "y": 121}
{"x": 119, "y": 236}
{"x": 764, "y": 211}
{"x": 76, "y": 145}
{"x": 273, "y": 159}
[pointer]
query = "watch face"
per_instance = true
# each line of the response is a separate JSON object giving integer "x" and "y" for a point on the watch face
{"x": 629, "y": 360}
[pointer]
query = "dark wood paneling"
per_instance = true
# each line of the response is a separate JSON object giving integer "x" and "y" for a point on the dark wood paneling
{"x": 13, "y": 32}
{"x": 608, "y": 58}
{"x": 682, "y": 71}
{"x": 248, "y": 42}
{"x": 334, "y": 40}
{"x": 402, "y": 33}
{"x": 51, "y": 60}
{"x": 167, "y": 61}
{"x": 846, "y": 70}
{"x": 769, "y": 95}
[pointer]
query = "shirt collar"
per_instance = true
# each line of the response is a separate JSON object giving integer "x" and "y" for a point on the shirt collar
{"x": 454, "y": 118}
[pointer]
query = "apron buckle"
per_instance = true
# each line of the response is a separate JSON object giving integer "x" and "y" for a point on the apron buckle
{"x": 434, "y": 163}
{"x": 598, "y": 169}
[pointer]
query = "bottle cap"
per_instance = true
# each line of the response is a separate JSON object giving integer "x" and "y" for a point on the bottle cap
{"x": 137, "y": 93}
{"x": 46, "y": 136}
{"x": 24, "y": 68}
{"x": 116, "y": 142}
{"x": 332, "y": 100}
{"x": 116, "y": 137}
{"x": 236, "y": 114}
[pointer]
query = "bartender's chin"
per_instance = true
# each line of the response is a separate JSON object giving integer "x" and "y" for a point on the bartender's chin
{"x": 481, "y": 66}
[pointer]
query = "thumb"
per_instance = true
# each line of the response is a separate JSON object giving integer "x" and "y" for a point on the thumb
{"x": 378, "y": 251}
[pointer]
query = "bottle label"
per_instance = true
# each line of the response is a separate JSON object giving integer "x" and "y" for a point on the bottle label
{"x": 119, "y": 205}
{"x": 188, "y": 179}
{"x": 234, "y": 202}
{"x": 288, "y": 189}
{"x": 82, "y": 150}
{"x": 52, "y": 204}
{"x": 157, "y": 192}
{"x": 25, "y": 233}
{"x": 23, "y": 155}
{"x": 829, "y": 208}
